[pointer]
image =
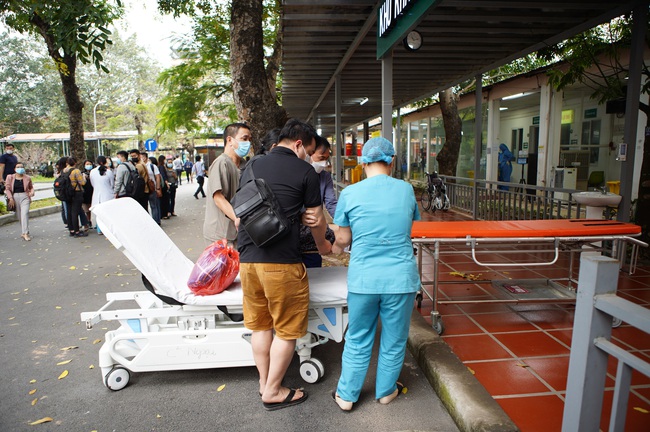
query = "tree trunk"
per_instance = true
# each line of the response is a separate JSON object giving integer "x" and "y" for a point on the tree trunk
{"x": 255, "y": 103}
{"x": 448, "y": 156}
{"x": 67, "y": 67}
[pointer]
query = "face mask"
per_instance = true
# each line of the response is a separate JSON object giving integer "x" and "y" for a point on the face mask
{"x": 10, "y": 151}
{"x": 89, "y": 167}
{"x": 20, "y": 170}
{"x": 319, "y": 166}
{"x": 243, "y": 149}
{"x": 169, "y": 165}
{"x": 135, "y": 160}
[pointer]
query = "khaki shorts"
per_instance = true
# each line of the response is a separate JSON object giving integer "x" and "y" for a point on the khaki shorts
{"x": 276, "y": 296}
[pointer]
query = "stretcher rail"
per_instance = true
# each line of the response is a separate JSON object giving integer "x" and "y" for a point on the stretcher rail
{"x": 551, "y": 237}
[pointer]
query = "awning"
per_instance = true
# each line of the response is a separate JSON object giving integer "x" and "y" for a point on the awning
{"x": 325, "y": 38}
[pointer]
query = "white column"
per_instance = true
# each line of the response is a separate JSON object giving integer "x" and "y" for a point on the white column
{"x": 550, "y": 122}
{"x": 387, "y": 96}
{"x": 492, "y": 154}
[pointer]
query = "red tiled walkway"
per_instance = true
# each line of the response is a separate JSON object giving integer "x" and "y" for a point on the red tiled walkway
{"x": 520, "y": 353}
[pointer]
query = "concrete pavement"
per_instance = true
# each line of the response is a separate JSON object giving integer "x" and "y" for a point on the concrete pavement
{"x": 44, "y": 286}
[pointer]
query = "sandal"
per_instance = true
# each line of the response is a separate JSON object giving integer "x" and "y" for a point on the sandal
{"x": 398, "y": 391}
{"x": 343, "y": 404}
{"x": 287, "y": 402}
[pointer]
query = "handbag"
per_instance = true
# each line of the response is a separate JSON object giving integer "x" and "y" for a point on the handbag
{"x": 259, "y": 212}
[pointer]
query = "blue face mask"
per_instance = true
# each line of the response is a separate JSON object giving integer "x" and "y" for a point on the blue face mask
{"x": 89, "y": 167}
{"x": 20, "y": 170}
{"x": 243, "y": 149}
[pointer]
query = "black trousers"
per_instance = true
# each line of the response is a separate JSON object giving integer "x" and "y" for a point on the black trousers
{"x": 200, "y": 180}
{"x": 74, "y": 208}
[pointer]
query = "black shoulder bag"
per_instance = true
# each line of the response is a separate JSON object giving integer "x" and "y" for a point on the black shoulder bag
{"x": 259, "y": 212}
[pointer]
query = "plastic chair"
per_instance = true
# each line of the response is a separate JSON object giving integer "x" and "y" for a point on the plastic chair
{"x": 596, "y": 179}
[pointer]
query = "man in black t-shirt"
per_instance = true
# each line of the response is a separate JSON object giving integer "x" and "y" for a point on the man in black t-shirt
{"x": 8, "y": 162}
{"x": 274, "y": 279}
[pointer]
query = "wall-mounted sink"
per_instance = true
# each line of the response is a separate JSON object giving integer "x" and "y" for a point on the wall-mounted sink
{"x": 597, "y": 199}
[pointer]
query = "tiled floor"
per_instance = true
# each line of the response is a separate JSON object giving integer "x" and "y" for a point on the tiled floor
{"x": 520, "y": 353}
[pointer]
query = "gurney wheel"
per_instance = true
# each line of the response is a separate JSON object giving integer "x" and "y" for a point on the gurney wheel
{"x": 439, "y": 327}
{"x": 117, "y": 378}
{"x": 312, "y": 370}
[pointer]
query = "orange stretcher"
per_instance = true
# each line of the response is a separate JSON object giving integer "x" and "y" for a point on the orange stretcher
{"x": 543, "y": 237}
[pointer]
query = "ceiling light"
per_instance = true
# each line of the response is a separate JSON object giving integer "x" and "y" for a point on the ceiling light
{"x": 503, "y": 108}
{"x": 515, "y": 96}
{"x": 363, "y": 101}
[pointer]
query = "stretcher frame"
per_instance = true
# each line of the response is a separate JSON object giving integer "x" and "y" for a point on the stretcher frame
{"x": 479, "y": 241}
{"x": 159, "y": 331}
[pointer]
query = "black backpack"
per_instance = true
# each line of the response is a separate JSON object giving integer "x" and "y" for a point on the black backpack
{"x": 259, "y": 212}
{"x": 63, "y": 189}
{"x": 134, "y": 185}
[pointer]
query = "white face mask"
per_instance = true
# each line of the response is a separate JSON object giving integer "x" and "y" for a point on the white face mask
{"x": 10, "y": 151}
{"x": 319, "y": 166}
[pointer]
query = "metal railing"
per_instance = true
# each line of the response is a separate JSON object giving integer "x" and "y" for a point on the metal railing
{"x": 596, "y": 305}
{"x": 518, "y": 202}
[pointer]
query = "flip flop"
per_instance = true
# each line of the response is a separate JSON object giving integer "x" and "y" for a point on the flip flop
{"x": 287, "y": 402}
{"x": 343, "y": 404}
{"x": 389, "y": 398}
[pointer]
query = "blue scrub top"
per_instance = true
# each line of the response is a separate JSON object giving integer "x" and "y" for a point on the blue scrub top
{"x": 380, "y": 211}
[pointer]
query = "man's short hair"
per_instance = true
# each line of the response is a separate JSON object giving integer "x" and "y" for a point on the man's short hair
{"x": 295, "y": 130}
{"x": 197, "y": 158}
{"x": 123, "y": 153}
{"x": 136, "y": 151}
{"x": 9, "y": 145}
{"x": 322, "y": 143}
{"x": 145, "y": 154}
{"x": 233, "y": 128}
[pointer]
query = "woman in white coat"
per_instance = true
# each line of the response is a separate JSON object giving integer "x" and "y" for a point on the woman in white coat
{"x": 103, "y": 179}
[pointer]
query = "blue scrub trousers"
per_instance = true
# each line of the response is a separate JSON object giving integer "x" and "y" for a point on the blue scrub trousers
{"x": 363, "y": 312}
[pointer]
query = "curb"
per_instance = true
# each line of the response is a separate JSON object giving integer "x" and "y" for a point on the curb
{"x": 9, "y": 218}
{"x": 466, "y": 400}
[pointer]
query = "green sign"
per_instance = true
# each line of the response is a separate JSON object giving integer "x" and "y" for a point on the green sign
{"x": 395, "y": 18}
{"x": 536, "y": 120}
{"x": 591, "y": 113}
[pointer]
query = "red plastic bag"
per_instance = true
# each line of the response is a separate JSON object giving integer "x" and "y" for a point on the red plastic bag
{"x": 215, "y": 270}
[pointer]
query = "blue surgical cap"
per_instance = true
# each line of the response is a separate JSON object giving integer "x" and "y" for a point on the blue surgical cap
{"x": 377, "y": 150}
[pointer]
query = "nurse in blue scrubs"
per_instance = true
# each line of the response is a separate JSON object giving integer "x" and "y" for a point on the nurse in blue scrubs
{"x": 376, "y": 215}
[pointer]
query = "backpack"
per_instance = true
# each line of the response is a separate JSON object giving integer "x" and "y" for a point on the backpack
{"x": 63, "y": 189}
{"x": 134, "y": 185}
{"x": 260, "y": 213}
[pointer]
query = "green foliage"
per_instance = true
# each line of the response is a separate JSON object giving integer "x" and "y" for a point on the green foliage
{"x": 75, "y": 28}
{"x": 198, "y": 92}
{"x": 593, "y": 59}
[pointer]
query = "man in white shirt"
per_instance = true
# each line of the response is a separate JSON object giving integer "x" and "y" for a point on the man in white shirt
{"x": 198, "y": 171}
{"x": 178, "y": 167}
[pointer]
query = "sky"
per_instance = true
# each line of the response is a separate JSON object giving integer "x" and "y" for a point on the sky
{"x": 153, "y": 30}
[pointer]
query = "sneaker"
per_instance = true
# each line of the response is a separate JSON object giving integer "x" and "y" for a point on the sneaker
{"x": 81, "y": 234}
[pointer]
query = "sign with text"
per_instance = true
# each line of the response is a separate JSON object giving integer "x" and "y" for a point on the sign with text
{"x": 395, "y": 18}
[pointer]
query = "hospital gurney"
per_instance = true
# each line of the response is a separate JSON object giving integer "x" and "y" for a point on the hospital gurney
{"x": 485, "y": 238}
{"x": 171, "y": 328}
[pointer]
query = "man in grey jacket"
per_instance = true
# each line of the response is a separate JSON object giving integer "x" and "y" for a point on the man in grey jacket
{"x": 122, "y": 173}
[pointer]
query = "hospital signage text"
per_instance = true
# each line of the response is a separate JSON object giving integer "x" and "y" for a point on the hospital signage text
{"x": 389, "y": 13}
{"x": 395, "y": 18}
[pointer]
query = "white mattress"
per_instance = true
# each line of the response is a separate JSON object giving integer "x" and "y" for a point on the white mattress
{"x": 132, "y": 230}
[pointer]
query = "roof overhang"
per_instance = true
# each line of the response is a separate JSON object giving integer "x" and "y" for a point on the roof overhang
{"x": 326, "y": 38}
